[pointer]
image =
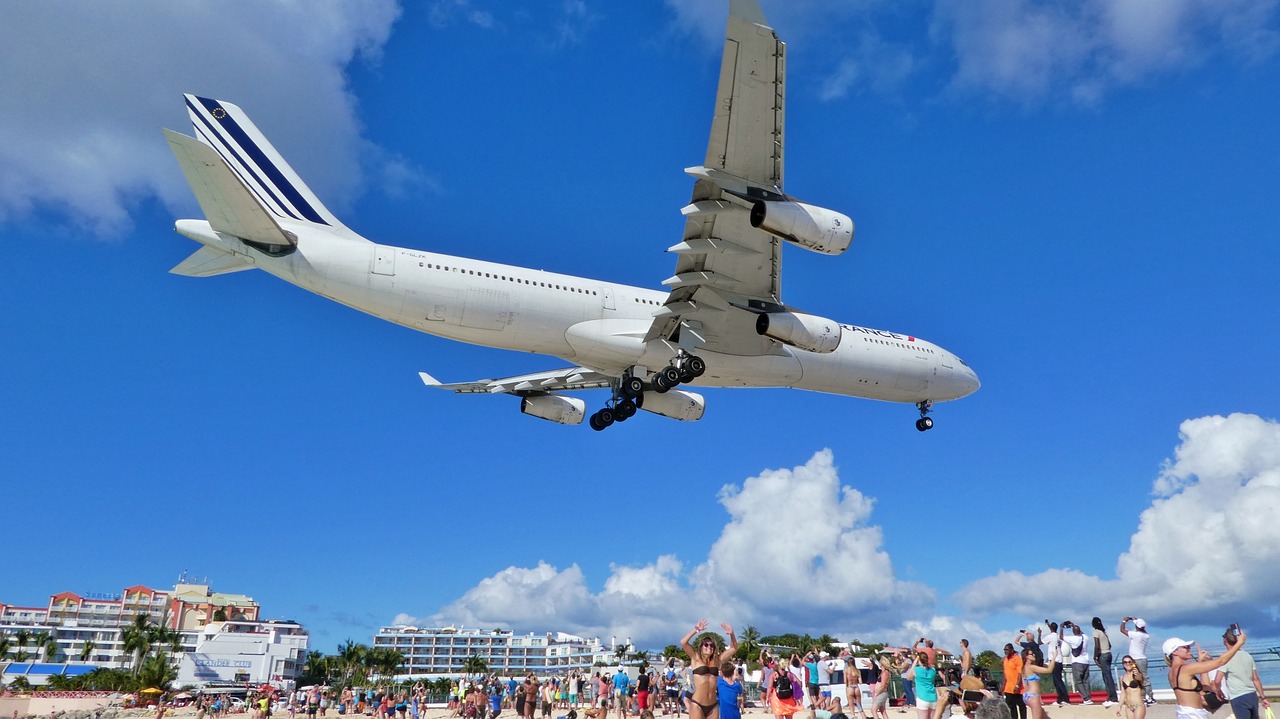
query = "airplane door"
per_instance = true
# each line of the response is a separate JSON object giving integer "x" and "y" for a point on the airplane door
{"x": 606, "y": 298}
{"x": 384, "y": 260}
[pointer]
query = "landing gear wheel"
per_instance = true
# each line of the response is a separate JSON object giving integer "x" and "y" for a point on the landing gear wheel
{"x": 660, "y": 383}
{"x": 696, "y": 366}
{"x": 687, "y": 376}
{"x": 594, "y": 421}
{"x": 605, "y": 416}
{"x": 632, "y": 387}
{"x": 671, "y": 375}
{"x": 924, "y": 424}
{"x": 624, "y": 410}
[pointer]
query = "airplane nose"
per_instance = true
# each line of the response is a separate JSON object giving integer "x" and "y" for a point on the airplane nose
{"x": 970, "y": 381}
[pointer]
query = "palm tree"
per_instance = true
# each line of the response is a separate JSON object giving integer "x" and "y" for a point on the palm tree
{"x": 351, "y": 659}
{"x": 475, "y": 664}
{"x": 21, "y": 637}
{"x": 136, "y": 640}
{"x": 749, "y": 641}
{"x": 156, "y": 671}
{"x": 5, "y": 643}
{"x": 87, "y": 650}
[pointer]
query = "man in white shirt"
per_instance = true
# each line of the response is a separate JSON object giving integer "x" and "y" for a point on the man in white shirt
{"x": 1078, "y": 654}
{"x": 1138, "y": 639}
{"x": 1242, "y": 686}
{"x": 1055, "y": 650}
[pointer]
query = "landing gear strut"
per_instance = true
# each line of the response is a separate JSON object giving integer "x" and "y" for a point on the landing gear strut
{"x": 924, "y": 424}
{"x": 628, "y": 393}
{"x": 684, "y": 368}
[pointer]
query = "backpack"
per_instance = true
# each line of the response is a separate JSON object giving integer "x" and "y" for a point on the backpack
{"x": 782, "y": 686}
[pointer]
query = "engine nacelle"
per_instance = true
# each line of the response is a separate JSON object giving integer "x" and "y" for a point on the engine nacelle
{"x": 808, "y": 332}
{"x": 554, "y": 407}
{"x": 675, "y": 403}
{"x": 813, "y": 228}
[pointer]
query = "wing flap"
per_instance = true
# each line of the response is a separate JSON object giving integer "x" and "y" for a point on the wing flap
{"x": 561, "y": 380}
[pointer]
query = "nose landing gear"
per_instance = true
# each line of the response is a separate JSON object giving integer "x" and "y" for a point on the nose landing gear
{"x": 924, "y": 424}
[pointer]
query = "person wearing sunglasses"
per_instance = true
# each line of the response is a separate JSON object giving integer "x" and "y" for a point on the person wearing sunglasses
{"x": 704, "y": 664}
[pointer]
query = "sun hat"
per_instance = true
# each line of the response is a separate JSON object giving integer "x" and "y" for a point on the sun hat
{"x": 1172, "y": 643}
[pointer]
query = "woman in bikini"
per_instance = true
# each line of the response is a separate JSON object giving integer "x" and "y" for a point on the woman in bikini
{"x": 1031, "y": 673}
{"x": 704, "y": 663}
{"x": 1183, "y": 671}
{"x": 1131, "y": 686}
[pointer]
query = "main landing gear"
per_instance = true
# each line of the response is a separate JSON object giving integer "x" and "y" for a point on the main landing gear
{"x": 924, "y": 424}
{"x": 628, "y": 394}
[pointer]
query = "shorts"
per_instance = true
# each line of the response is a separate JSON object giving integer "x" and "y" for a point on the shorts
{"x": 1191, "y": 713}
{"x": 813, "y": 691}
{"x": 546, "y": 709}
{"x": 825, "y": 690}
{"x": 672, "y": 693}
{"x": 922, "y": 704}
{"x": 881, "y": 700}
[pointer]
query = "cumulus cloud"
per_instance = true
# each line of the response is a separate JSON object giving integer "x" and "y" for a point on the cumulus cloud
{"x": 839, "y": 579}
{"x": 88, "y": 88}
{"x": 1024, "y": 50}
{"x": 1207, "y": 550}
{"x": 1031, "y": 49}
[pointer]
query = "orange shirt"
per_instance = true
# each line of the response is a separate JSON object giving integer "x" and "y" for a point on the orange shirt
{"x": 1012, "y": 674}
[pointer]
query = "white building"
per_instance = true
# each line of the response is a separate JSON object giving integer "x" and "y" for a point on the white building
{"x": 250, "y": 652}
{"x": 441, "y": 651}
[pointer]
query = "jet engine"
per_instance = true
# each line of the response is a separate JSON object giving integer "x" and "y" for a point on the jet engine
{"x": 808, "y": 332}
{"x": 675, "y": 403}
{"x": 813, "y": 228}
{"x": 555, "y": 407}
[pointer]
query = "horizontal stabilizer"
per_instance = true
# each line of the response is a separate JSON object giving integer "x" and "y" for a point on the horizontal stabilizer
{"x": 209, "y": 261}
{"x": 227, "y": 203}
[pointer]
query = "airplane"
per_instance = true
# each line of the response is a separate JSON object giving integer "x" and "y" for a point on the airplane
{"x": 720, "y": 322}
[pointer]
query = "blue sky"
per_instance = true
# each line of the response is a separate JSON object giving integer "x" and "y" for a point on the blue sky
{"x": 1079, "y": 200}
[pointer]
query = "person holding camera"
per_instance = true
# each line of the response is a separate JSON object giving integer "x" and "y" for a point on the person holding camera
{"x": 1138, "y": 640}
{"x": 1238, "y": 680}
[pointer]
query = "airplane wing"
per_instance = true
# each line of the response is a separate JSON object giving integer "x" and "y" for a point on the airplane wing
{"x": 570, "y": 378}
{"x": 726, "y": 268}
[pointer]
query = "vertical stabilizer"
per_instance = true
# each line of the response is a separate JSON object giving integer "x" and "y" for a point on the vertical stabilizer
{"x": 230, "y": 132}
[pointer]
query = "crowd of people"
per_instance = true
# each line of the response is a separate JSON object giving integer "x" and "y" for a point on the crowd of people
{"x": 711, "y": 685}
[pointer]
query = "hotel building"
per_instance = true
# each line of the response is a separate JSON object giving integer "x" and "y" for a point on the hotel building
{"x": 88, "y": 630}
{"x": 437, "y": 652}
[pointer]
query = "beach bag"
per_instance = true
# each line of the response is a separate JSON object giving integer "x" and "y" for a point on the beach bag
{"x": 782, "y": 686}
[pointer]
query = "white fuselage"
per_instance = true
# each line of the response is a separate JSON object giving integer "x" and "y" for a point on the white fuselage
{"x": 595, "y": 324}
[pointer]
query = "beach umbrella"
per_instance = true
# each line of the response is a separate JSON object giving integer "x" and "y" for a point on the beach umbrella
{"x": 152, "y": 690}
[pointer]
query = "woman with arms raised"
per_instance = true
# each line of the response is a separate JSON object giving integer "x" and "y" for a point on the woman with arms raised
{"x": 704, "y": 665}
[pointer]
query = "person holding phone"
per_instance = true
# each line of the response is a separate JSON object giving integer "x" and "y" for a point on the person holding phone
{"x": 1238, "y": 680}
{"x": 1186, "y": 671}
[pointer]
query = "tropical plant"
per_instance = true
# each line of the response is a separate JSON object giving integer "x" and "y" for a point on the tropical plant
{"x": 672, "y": 651}
{"x": 136, "y": 640}
{"x": 475, "y": 664}
{"x": 61, "y": 683}
{"x": 87, "y": 650}
{"x": 20, "y": 684}
{"x": 351, "y": 661}
{"x": 749, "y": 644}
{"x": 989, "y": 659}
{"x": 219, "y": 615}
{"x": 156, "y": 671}
{"x": 20, "y": 638}
{"x": 48, "y": 643}
{"x": 5, "y": 643}
{"x": 383, "y": 661}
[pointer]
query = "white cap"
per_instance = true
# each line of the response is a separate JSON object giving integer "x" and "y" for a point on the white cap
{"x": 1172, "y": 644}
{"x": 1139, "y": 623}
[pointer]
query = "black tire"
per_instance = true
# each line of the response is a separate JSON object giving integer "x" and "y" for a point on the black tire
{"x": 696, "y": 365}
{"x": 594, "y": 421}
{"x": 687, "y": 376}
{"x": 606, "y": 416}
{"x": 671, "y": 375}
{"x": 632, "y": 387}
{"x": 924, "y": 424}
{"x": 660, "y": 383}
{"x": 626, "y": 409}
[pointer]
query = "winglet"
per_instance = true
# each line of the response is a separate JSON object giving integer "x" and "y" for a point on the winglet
{"x": 428, "y": 380}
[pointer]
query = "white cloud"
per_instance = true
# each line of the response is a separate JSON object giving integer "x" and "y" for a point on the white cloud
{"x": 798, "y": 553}
{"x": 875, "y": 64}
{"x": 1031, "y": 49}
{"x": 86, "y": 92}
{"x": 1207, "y": 550}
{"x": 442, "y": 13}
